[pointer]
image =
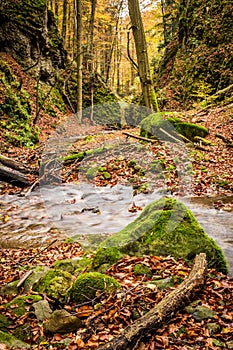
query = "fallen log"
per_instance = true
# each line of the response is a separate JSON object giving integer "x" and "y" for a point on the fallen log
{"x": 163, "y": 311}
{"x": 14, "y": 164}
{"x": 13, "y": 177}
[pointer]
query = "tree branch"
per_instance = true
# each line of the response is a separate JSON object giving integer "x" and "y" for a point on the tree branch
{"x": 164, "y": 310}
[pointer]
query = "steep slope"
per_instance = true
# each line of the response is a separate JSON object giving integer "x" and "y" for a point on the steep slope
{"x": 198, "y": 60}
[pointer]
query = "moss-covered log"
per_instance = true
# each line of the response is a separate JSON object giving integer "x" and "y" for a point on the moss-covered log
{"x": 164, "y": 310}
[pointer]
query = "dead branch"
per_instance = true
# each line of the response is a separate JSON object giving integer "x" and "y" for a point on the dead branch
{"x": 164, "y": 310}
{"x": 224, "y": 139}
{"x": 139, "y": 137}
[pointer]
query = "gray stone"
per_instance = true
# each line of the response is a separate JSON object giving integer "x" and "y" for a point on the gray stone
{"x": 10, "y": 289}
{"x": 33, "y": 279}
{"x": 61, "y": 321}
{"x": 42, "y": 310}
{"x": 202, "y": 312}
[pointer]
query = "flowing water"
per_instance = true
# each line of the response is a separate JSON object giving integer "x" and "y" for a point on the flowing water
{"x": 93, "y": 212}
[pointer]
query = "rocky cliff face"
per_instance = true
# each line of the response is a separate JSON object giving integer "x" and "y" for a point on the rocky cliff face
{"x": 198, "y": 60}
{"x": 29, "y": 34}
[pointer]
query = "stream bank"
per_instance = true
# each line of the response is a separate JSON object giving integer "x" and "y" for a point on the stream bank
{"x": 91, "y": 213}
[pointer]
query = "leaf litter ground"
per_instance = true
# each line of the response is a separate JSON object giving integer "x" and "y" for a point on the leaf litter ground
{"x": 109, "y": 314}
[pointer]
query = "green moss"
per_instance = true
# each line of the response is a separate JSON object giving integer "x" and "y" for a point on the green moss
{"x": 12, "y": 342}
{"x": 55, "y": 284}
{"x": 102, "y": 169}
{"x": 69, "y": 265}
{"x": 75, "y": 156}
{"x": 15, "y": 110}
{"x": 91, "y": 173}
{"x": 153, "y": 126}
{"x": 141, "y": 269}
{"x": 203, "y": 141}
{"x": 106, "y": 175}
{"x": 189, "y": 130}
{"x": 4, "y": 323}
{"x": 86, "y": 285}
{"x": 85, "y": 264}
{"x": 18, "y": 305}
{"x": 107, "y": 256}
{"x": 37, "y": 273}
{"x": 167, "y": 227}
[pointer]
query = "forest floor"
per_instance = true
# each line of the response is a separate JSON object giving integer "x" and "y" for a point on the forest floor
{"x": 186, "y": 330}
{"x": 212, "y": 177}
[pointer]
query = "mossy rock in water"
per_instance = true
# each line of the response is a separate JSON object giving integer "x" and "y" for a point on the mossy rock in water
{"x": 19, "y": 305}
{"x": 167, "y": 227}
{"x": 55, "y": 284}
{"x": 86, "y": 285}
{"x": 155, "y": 124}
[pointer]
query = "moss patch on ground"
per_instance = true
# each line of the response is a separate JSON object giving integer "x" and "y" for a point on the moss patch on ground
{"x": 167, "y": 227}
{"x": 86, "y": 286}
{"x": 12, "y": 342}
{"x": 18, "y": 305}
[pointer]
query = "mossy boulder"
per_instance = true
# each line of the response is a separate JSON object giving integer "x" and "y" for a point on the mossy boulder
{"x": 19, "y": 305}
{"x": 156, "y": 123}
{"x": 11, "y": 342}
{"x": 189, "y": 130}
{"x": 69, "y": 265}
{"x": 55, "y": 284}
{"x": 105, "y": 257}
{"x": 142, "y": 270}
{"x": 86, "y": 286}
{"x": 153, "y": 125}
{"x": 167, "y": 227}
{"x": 37, "y": 273}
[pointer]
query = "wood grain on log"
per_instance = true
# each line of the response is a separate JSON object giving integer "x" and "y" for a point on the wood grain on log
{"x": 14, "y": 177}
{"x": 164, "y": 310}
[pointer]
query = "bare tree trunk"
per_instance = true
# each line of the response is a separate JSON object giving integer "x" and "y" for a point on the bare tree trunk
{"x": 90, "y": 38}
{"x": 142, "y": 56}
{"x": 79, "y": 60}
{"x": 64, "y": 22}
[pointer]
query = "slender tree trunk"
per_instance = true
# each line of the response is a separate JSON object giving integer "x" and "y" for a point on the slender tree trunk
{"x": 56, "y": 8}
{"x": 142, "y": 56}
{"x": 79, "y": 53}
{"x": 64, "y": 22}
{"x": 113, "y": 44}
{"x": 90, "y": 38}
